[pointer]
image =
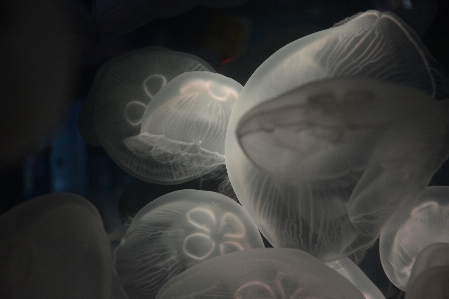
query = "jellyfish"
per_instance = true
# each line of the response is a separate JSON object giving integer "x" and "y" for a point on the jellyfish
{"x": 183, "y": 129}
{"x": 177, "y": 231}
{"x": 121, "y": 91}
{"x": 355, "y": 275}
{"x": 54, "y": 246}
{"x": 410, "y": 230}
{"x": 310, "y": 152}
{"x": 275, "y": 273}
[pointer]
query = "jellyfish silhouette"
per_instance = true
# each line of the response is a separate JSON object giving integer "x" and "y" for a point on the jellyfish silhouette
{"x": 273, "y": 273}
{"x": 120, "y": 93}
{"x": 183, "y": 129}
{"x": 410, "y": 230}
{"x": 177, "y": 231}
{"x": 310, "y": 152}
{"x": 54, "y": 246}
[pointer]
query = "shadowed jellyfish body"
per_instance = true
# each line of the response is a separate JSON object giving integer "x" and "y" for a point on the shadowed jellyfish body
{"x": 121, "y": 91}
{"x": 183, "y": 129}
{"x": 260, "y": 273}
{"x": 177, "y": 231}
{"x": 122, "y": 16}
{"x": 54, "y": 246}
{"x": 430, "y": 273}
{"x": 412, "y": 229}
{"x": 355, "y": 275}
{"x": 320, "y": 166}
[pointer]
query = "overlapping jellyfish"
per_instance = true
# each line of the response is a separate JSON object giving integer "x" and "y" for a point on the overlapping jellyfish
{"x": 412, "y": 229}
{"x": 333, "y": 132}
{"x": 54, "y": 246}
{"x": 177, "y": 231}
{"x": 273, "y": 273}
{"x": 122, "y": 16}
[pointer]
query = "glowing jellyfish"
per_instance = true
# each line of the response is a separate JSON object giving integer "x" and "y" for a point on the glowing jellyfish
{"x": 122, "y": 89}
{"x": 261, "y": 273}
{"x": 320, "y": 166}
{"x": 183, "y": 129}
{"x": 177, "y": 231}
{"x": 54, "y": 246}
{"x": 355, "y": 275}
{"x": 410, "y": 230}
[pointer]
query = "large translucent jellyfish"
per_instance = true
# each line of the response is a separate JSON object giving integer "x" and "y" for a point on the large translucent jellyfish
{"x": 430, "y": 273}
{"x": 410, "y": 230}
{"x": 261, "y": 273}
{"x": 177, "y": 231}
{"x": 355, "y": 275}
{"x": 320, "y": 166}
{"x": 183, "y": 129}
{"x": 121, "y": 91}
{"x": 54, "y": 246}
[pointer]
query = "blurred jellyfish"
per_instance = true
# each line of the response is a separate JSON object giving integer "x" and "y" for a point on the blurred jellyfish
{"x": 260, "y": 273}
{"x": 432, "y": 283}
{"x": 54, "y": 246}
{"x": 122, "y": 90}
{"x": 122, "y": 16}
{"x": 434, "y": 255}
{"x": 183, "y": 129}
{"x": 410, "y": 230}
{"x": 319, "y": 161}
{"x": 177, "y": 231}
{"x": 355, "y": 275}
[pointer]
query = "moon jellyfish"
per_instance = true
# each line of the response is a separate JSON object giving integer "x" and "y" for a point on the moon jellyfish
{"x": 54, "y": 246}
{"x": 355, "y": 275}
{"x": 177, "y": 231}
{"x": 121, "y": 91}
{"x": 312, "y": 151}
{"x": 261, "y": 273}
{"x": 410, "y": 230}
{"x": 183, "y": 129}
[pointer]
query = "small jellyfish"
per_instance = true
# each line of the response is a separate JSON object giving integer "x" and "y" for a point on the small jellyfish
{"x": 177, "y": 231}
{"x": 410, "y": 230}
{"x": 183, "y": 129}
{"x": 54, "y": 246}
{"x": 121, "y": 91}
{"x": 355, "y": 275}
{"x": 273, "y": 273}
{"x": 313, "y": 151}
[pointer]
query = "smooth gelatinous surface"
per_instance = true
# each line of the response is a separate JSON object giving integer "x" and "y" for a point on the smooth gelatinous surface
{"x": 432, "y": 283}
{"x": 355, "y": 275}
{"x": 54, "y": 246}
{"x": 261, "y": 273}
{"x": 434, "y": 255}
{"x": 410, "y": 230}
{"x": 121, "y": 91}
{"x": 333, "y": 207}
{"x": 177, "y": 231}
{"x": 183, "y": 129}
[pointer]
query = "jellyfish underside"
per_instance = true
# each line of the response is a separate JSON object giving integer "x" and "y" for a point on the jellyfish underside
{"x": 184, "y": 126}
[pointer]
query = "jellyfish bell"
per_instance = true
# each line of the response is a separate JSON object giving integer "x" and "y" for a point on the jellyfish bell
{"x": 183, "y": 129}
{"x": 177, "y": 231}
{"x": 260, "y": 273}
{"x": 326, "y": 190}
{"x": 54, "y": 246}
{"x": 121, "y": 91}
{"x": 411, "y": 230}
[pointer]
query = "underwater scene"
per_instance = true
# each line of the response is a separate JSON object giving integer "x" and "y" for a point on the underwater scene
{"x": 229, "y": 149}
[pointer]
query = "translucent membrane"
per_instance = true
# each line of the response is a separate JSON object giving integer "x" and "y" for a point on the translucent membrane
{"x": 121, "y": 91}
{"x": 312, "y": 150}
{"x": 183, "y": 128}
{"x": 54, "y": 246}
{"x": 410, "y": 230}
{"x": 260, "y": 273}
{"x": 177, "y": 231}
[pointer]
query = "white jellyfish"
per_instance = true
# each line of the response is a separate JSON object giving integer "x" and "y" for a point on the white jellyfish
{"x": 183, "y": 129}
{"x": 177, "y": 231}
{"x": 312, "y": 150}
